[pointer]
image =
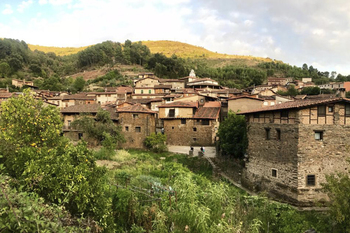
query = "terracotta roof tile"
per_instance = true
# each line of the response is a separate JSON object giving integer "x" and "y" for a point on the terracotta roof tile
{"x": 180, "y": 104}
{"x": 246, "y": 97}
{"x": 207, "y": 113}
{"x": 135, "y": 108}
{"x": 213, "y": 104}
{"x": 297, "y": 104}
{"x": 82, "y": 108}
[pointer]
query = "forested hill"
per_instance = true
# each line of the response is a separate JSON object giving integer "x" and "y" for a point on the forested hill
{"x": 49, "y": 71}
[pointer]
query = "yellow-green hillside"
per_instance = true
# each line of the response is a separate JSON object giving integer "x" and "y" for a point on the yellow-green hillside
{"x": 60, "y": 51}
{"x": 168, "y": 48}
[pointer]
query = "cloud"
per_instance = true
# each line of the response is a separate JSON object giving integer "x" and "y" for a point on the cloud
{"x": 8, "y": 10}
{"x": 59, "y": 2}
{"x": 23, "y": 5}
{"x": 42, "y": 2}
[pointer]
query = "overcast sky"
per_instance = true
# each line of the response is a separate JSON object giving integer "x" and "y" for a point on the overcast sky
{"x": 315, "y": 32}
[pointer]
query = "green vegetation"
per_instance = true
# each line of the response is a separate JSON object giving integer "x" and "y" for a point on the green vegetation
{"x": 233, "y": 135}
{"x": 156, "y": 142}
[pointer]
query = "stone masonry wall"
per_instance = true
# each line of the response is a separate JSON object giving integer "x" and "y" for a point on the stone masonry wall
{"x": 191, "y": 133}
{"x": 135, "y": 139}
{"x": 264, "y": 155}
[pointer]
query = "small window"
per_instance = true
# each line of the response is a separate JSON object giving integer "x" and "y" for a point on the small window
{"x": 205, "y": 122}
{"x": 141, "y": 91}
{"x": 135, "y": 116}
{"x": 149, "y": 91}
{"x": 321, "y": 111}
{"x": 80, "y": 135}
{"x": 137, "y": 129}
{"x": 194, "y": 129}
{"x": 69, "y": 122}
{"x": 330, "y": 109}
{"x": 347, "y": 110}
{"x": 278, "y": 134}
{"x": 284, "y": 113}
{"x": 310, "y": 180}
{"x": 172, "y": 127}
{"x": 183, "y": 121}
{"x": 171, "y": 113}
{"x": 267, "y": 133}
{"x": 127, "y": 128}
{"x": 256, "y": 115}
{"x": 319, "y": 135}
{"x": 274, "y": 172}
{"x": 194, "y": 139}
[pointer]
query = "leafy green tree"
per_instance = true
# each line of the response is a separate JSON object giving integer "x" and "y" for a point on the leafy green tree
{"x": 79, "y": 84}
{"x": 5, "y": 69}
{"x": 156, "y": 142}
{"x": 338, "y": 190}
{"x": 99, "y": 128}
{"x": 310, "y": 91}
{"x": 41, "y": 160}
{"x": 233, "y": 135}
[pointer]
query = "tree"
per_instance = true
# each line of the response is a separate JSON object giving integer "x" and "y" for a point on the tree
{"x": 233, "y": 135}
{"x": 156, "y": 142}
{"x": 79, "y": 84}
{"x": 99, "y": 128}
{"x": 338, "y": 190}
{"x": 4, "y": 69}
{"x": 42, "y": 161}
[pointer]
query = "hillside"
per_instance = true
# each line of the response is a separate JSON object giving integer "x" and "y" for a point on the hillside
{"x": 166, "y": 47}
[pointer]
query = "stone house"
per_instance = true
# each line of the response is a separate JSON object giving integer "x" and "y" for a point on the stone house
{"x": 103, "y": 97}
{"x": 63, "y": 101}
{"x": 21, "y": 83}
{"x": 204, "y": 83}
{"x": 137, "y": 123}
{"x": 173, "y": 83}
{"x": 294, "y": 145}
{"x": 148, "y": 81}
{"x": 244, "y": 103}
{"x": 187, "y": 125}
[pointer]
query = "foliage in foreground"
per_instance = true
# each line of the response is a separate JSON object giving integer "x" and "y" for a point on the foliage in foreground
{"x": 156, "y": 142}
{"x": 233, "y": 135}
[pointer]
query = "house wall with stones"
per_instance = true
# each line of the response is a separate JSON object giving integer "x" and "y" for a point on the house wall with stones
{"x": 244, "y": 104}
{"x": 190, "y": 132}
{"x": 147, "y": 82}
{"x": 179, "y": 112}
{"x": 144, "y": 90}
{"x": 136, "y": 127}
{"x": 283, "y": 152}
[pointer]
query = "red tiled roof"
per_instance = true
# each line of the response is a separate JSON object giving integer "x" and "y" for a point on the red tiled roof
{"x": 297, "y": 104}
{"x": 170, "y": 80}
{"x": 180, "y": 104}
{"x": 87, "y": 108}
{"x": 122, "y": 90}
{"x": 5, "y": 95}
{"x": 135, "y": 108}
{"x": 207, "y": 113}
{"x": 245, "y": 96}
{"x": 212, "y": 104}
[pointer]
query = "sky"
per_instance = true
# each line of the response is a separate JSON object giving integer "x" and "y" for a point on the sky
{"x": 315, "y": 32}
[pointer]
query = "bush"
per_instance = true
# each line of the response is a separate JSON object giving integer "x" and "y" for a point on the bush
{"x": 156, "y": 142}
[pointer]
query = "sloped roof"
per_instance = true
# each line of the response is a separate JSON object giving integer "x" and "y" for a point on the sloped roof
{"x": 207, "y": 113}
{"x": 245, "y": 97}
{"x": 122, "y": 90}
{"x": 180, "y": 104}
{"x": 213, "y": 104}
{"x": 81, "y": 108}
{"x": 162, "y": 86}
{"x": 5, "y": 95}
{"x": 170, "y": 80}
{"x": 201, "y": 80}
{"x": 137, "y": 108}
{"x": 297, "y": 104}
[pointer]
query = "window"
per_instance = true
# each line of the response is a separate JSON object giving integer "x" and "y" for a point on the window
{"x": 319, "y": 135}
{"x": 141, "y": 91}
{"x": 194, "y": 129}
{"x": 194, "y": 139}
{"x": 267, "y": 133}
{"x": 330, "y": 108}
{"x": 278, "y": 134}
{"x": 172, "y": 127}
{"x": 183, "y": 121}
{"x": 127, "y": 128}
{"x": 347, "y": 110}
{"x": 80, "y": 135}
{"x": 284, "y": 113}
{"x": 149, "y": 91}
{"x": 321, "y": 111}
{"x": 69, "y": 122}
{"x": 310, "y": 180}
{"x": 171, "y": 113}
{"x": 135, "y": 116}
{"x": 274, "y": 172}
{"x": 205, "y": 122}
{"x": 137, "y": 129}
{"x": 256, "y": 115}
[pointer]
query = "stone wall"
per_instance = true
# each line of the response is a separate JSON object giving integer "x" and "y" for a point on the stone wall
{"x": 130, "y": 124}
{"x": 266, "y": 155}
{"x": 192, "y": 133}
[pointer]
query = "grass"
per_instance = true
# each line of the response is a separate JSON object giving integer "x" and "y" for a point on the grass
{"x": 60, "y": 51}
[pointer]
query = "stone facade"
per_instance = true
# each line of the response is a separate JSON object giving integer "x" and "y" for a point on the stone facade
{"x": 244, "y": 103}
{"x": 291, "y": 150}
{"x": 190, "y": 132}
{"x": 136, "y": 127}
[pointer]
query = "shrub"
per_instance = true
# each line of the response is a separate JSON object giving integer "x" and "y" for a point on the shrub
{"x": 156, "y": 142}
